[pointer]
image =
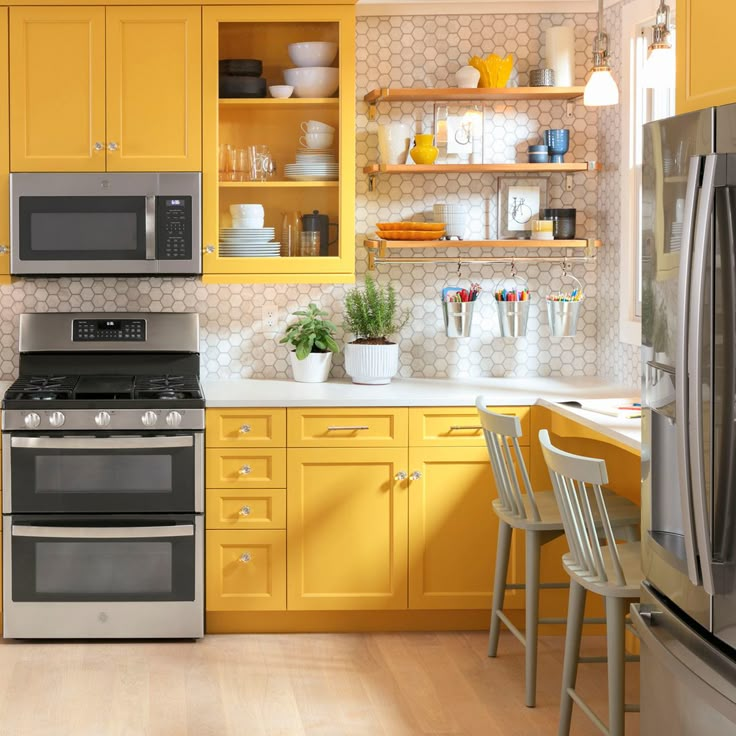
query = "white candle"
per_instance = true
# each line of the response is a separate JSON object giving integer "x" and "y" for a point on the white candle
{"x": 559, "y": 48}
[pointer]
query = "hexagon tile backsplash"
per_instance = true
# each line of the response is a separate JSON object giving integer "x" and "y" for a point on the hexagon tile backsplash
{"x": 399, "y": 51}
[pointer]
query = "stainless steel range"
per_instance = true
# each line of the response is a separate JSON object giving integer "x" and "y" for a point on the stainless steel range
{"x": 103, "y": 478}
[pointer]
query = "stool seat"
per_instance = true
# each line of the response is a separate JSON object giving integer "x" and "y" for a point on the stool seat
{"x": 630, "y": 557}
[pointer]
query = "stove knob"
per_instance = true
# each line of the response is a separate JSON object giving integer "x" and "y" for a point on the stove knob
{"x": 32, "y": 420}
{"x": 56, "y": 419}
{"x": 173, "y": 419}
{"x": 103, "y": 418}
{"x": 149, "y": 418}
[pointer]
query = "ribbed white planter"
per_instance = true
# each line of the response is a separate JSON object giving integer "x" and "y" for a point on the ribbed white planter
{"x": 313, "y": 369}
{"x": 371, "y": 364}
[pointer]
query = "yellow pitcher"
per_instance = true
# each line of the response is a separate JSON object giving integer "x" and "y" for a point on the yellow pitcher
{"x": 424, "y": 152}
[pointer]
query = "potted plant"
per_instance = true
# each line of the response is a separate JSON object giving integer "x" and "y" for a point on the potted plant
{"x": 372, "y": 314}
{"x": 312, "y": 337}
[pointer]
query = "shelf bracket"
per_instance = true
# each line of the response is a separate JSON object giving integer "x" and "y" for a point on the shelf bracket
{"x": 569, "y": 108}
{"x": 371, "y": 182}
{"x": 371, "y": 111}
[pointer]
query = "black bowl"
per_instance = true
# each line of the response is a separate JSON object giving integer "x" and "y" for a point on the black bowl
{"x": 237, "y": 86}
{"x": 241, "y": 67}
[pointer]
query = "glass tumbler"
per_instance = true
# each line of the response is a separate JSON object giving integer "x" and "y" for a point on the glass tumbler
{"x": 309, "y": 241}
{"x": 260, "y": 163}
{"x": 291, "y": 228}
{"x": 223, "y": 161}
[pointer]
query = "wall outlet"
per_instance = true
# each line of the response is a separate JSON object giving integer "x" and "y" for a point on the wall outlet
{"x": 269, "y": 317}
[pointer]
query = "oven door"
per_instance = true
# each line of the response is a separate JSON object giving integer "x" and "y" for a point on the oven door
{"x": 94, "y": 474}
{"x": 102, "y": 576}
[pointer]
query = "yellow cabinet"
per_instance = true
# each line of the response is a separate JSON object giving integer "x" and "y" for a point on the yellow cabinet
{"x": 264, "y": 32}
{"x": 249, "y": 468}
{"x": 4, "y": 143}
{"x": 246, "y": 427}
{"x": 252, "y": 509}
{"x": 246, "y": 570}
{"x": 346, "y": 529}
{"x": 705, "y": 75}
{"x": 359, "y": 427}
{"x": 95, "y": 89}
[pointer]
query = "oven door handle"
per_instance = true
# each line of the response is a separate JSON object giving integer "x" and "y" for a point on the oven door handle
{"x": 89, "y": 532}
{"x": 101, "y": 443}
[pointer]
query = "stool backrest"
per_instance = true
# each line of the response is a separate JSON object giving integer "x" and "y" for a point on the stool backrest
{"x": 502, "y": 432}
{"x": 574, "y": 478}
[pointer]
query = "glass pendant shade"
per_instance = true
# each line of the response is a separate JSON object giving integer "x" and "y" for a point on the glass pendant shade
{"x": 659, "y": 69}
{"x": 601, "y": 88}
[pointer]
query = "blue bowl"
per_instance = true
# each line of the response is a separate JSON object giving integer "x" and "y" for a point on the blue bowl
{"x": 538, "y": 158}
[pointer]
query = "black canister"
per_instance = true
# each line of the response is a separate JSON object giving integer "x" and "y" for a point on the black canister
{"x": 564, "y": 222}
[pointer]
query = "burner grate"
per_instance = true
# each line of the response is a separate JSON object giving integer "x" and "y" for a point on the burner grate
{"x": 42, "y": 388}
{"x": 167, "y": 387}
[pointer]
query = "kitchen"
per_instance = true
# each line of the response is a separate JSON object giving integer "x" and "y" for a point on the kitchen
{"x": 235, "y": 342}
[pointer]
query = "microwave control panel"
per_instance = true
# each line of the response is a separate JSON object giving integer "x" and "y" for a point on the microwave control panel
{"x": 173, "y": 228}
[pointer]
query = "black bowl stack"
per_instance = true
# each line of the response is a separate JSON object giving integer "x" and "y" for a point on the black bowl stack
{"x": 241, "y": 78}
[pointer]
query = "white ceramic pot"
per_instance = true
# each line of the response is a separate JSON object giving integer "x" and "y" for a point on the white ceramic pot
{"x": 393, "y": 142}
{"x": 371, "y": 364}
{"x": 467, "y": 77}
{"x": 313, "y": 369}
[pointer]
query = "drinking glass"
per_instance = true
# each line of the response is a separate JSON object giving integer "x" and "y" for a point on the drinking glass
{"x": 224, "y": 161}
{"x": 309, "y": 240}
{"x": 261, "y": 164}
{"x": 291, "y": 228}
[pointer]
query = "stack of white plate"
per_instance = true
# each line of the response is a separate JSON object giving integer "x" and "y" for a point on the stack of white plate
{"x": 312, "y": 164}
{"x": 236, "y": 242}
{"x": 676, "y": 236}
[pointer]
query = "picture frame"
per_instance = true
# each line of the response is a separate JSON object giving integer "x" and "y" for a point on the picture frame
{"x": 458, "y": 133}
{"x": 520, "y": 201}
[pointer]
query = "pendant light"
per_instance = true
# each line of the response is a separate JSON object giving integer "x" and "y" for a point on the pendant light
{"x": 601, "y": 88}
{"x": 659, "y": 69}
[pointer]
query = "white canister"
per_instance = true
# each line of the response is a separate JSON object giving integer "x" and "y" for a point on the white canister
{"x": 467, "y": 77}
{"x": 559, "y": 49}
{"x": 393, "y": 142}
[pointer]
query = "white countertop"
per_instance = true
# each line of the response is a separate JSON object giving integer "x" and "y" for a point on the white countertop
{"x": 594, "y": 392}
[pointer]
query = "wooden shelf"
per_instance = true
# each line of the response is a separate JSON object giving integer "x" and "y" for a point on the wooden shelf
{"x": 277, "y": 184}
{"x": 409, "y": 244}
{"x": 282, "y": 102}
{"x": 675, "y": 180}
{"x": 450, "y": 94}
{"x": 373, "y": 169}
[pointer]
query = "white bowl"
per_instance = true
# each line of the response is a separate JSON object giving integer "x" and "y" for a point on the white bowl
{"x": 313, "y": 53}
{"x": 313, "y": 81}
{"x": 246, "y": 210}
{"x": 249, "y": 223}
{"x": 281, "y": 90}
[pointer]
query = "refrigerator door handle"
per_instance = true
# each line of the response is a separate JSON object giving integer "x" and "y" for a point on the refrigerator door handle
{"x": 695, "y": 372}
{"x": 681, "y": 384}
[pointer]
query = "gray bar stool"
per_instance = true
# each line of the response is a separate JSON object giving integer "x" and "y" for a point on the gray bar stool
{"x": 611, "y": 570}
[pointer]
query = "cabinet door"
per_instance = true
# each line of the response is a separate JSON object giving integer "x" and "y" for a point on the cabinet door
{"x": 346, "y": 529}
{"x": 4, "y": 142}
{"x": 57, "y": 89}
{"x": 453, "y": 529}
{"x": 154, "y": 89}
{"x": 704, "y": 75}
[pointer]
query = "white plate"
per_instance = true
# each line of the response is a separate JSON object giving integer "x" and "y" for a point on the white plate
{"x": 311, "y": 177}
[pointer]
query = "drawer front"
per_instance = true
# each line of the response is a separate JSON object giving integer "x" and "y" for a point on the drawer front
{"x": 246, "y": 570}
{"x": 261, "y": 509}
{"x": 246, "y": 468}
{"x": 246, "y": 427}
{"x": 443, "y": 426}
{"x": 359, "y": 427}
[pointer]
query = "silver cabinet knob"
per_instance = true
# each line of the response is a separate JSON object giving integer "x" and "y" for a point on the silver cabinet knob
{"x": 149, "y": 418}
{"x": 112, "y": 146}
{"x": 173, "y": 419}
{"x": 245, "y": 557}
{"x": 4, "y": 249}
{"x": 32, "y": 420}
{"x": 56, "y": 419}
{"x": 245, "y": 469}
{"x": 99, "y": 146}
{"x": 245, "y": 511}
{"x": 103, "y": 418}
{"x": 416, "y": 475}
{"x": 209, "y": 249}
{"x": 244, "y": 428}
{"x": 401, "y": 475}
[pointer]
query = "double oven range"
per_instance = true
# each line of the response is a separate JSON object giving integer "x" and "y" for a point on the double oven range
{"x": 103, "y": 478}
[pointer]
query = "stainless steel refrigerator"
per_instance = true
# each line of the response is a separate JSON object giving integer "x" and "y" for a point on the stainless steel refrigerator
{"x": 687, "y": 615}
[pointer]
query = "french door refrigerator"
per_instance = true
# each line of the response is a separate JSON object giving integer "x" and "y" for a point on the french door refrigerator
{"x": 687, "y": 615}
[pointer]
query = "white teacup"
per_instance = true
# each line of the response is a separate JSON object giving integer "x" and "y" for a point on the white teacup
{"x": 246, "y": 210}
{"x": 314, "y": 126}
{"x": 317, "y": 140}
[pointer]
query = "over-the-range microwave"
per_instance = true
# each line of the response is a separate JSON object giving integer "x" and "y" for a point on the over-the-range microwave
{"x": 106, "y": 223}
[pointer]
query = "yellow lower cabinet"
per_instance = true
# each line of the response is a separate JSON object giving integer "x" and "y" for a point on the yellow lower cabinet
{"x": 246, "y": 468}
{"x": 452, "y": 528}
{"x": 347, "y": 529}
{"x": 236, "y": 509}
{"x": 246, "y": 570}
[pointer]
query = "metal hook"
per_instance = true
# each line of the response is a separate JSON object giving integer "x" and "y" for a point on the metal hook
{"x": 513, "y": 269}
{"x": 459, "y": 275}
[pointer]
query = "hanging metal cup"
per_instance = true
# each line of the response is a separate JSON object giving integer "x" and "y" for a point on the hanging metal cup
{"x": 563, "y": 318}
{"x": 512, "y": 317}
{"x": 458, "y": 318}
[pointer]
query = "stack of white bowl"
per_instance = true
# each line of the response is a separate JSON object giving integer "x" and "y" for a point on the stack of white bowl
{"x": 247, "y": 216}
{"x": 455, "y": 217}
{"x": 247, "y": 238}
{"x": 313, "y": 77}
{"x": 314, "y": 162}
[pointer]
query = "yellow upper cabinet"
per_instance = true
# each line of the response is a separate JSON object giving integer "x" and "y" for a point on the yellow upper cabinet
{"x": 95, "y": 89}
{"x": 4, "y": 194}
{"x": 705, "y": 75}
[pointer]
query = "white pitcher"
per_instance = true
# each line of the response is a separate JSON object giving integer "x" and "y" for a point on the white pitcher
{"x": 394, "y": 140}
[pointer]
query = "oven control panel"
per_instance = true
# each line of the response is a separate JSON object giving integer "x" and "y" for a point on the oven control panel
{"x": 109, "y": 330}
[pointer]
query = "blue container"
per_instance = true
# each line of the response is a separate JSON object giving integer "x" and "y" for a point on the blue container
{"x": 538, "y": 154}
{"x": 558, "y": 140}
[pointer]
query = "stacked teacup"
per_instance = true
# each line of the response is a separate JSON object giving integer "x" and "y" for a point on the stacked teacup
{"x": 455, "y": 217}
{"x": 247, "y": 216}
{"x": 314, "y": 162}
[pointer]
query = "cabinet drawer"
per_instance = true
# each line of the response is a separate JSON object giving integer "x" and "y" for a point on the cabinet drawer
{"x": 252, "y": 468}
{"x": 246, "y": 427}
{"x": 443, "y": 426}
{"x": 227, "y": 509}
{"x": 246, "y": 570}
{"x": 359, "y": 427}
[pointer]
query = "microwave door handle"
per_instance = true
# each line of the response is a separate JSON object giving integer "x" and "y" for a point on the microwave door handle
{"x": 150, "y": 227}
{"x": 684, "y": 294}
{"x": 695, "y": 372}
{"x": 101, "y": 443}
{"x": 113, "y": 532}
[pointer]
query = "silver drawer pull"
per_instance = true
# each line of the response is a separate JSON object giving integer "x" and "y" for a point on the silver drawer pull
{"x": 244, "y": 428}
{"x": 245, "y": 557}
{"x": 455, "y": 427}
{"x": 245, "y": 511}
{"x": 350, "y": 428}
{"x": 245, "y": 470}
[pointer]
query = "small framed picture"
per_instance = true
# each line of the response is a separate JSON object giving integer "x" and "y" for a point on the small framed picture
{"x": 458, "y": 132}
{"x": 519, "y": 202}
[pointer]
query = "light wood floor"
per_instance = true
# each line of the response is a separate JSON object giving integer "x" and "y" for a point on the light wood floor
{"x": 291, "y": 684}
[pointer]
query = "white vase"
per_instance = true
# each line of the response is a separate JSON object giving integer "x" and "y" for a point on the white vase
{"x": 371, "y": 364}
{"x": 467, "y": 77}
{"x": 313, "y": 369}
{"x": 394, "y": 140}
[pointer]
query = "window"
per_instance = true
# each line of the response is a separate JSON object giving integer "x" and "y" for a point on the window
{"x": 639, "y": 106}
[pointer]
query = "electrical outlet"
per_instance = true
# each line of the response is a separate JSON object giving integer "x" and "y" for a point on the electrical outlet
{"x": 269, "y": 317}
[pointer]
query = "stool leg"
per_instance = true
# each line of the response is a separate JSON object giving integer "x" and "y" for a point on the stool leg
{"x": 575, "y": 615}
{"x": 499, "y": 584}
{"x": 533, "y": 546}
{"x": 615, "y": 633}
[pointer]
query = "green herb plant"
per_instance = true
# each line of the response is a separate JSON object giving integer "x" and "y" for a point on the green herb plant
{"x": 372, "y": 313}
{"x": 311, "y": 333}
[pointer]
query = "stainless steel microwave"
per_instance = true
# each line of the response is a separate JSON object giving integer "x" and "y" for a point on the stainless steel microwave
{"x": 106, "y": 223}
